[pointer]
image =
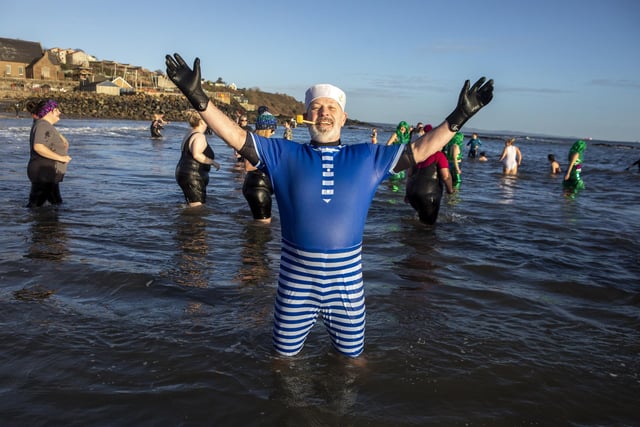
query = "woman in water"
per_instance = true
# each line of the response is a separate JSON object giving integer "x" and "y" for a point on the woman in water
{"x": 196, "y": 158}
{"x": 555, "y": 166}
{"x": 572, "y": 180}
{"x": 257, "y": 187}
{"x": 511, "y": 157}
{"x": 425, "y": 184}
{"x": 453, "y": 151}
{"x": 157, "y": 125}
{"x": 49, "y": 154}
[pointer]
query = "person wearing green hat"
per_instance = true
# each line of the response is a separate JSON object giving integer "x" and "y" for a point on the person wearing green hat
{"x": 453, "y": 151}
{"x": 572, "y": 179}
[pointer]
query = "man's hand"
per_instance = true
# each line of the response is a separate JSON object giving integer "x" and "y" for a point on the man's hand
{"x": 470, "y": 102}
{"x": 187, "y": 80}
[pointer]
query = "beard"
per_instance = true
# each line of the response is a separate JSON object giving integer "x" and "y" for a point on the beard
{"x": 324, "y": 134}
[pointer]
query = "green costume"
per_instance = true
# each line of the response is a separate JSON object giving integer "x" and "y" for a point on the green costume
{"x": 401, "y": 138}
{"x": 575, "y": 182}
{"x": 457, "y": 139}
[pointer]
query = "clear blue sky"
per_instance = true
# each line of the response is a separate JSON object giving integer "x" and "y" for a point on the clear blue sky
{"x": 562, "y": 67}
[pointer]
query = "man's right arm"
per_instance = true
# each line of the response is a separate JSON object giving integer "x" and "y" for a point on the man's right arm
{"x": 189, "y": 82}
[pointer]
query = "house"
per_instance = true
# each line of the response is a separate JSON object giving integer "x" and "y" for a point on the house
{"x": 224, "y": 97}
{"x": 106, "y": 87}
{"x": 20, "y": 59}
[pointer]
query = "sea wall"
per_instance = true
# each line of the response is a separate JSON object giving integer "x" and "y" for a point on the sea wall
{"x": 83, "y": 105}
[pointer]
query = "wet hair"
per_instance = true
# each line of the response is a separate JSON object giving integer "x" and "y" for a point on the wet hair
{"x": 551, "y": 158}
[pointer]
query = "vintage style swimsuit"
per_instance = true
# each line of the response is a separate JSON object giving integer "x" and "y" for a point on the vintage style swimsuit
{"x": 323, "y": 195}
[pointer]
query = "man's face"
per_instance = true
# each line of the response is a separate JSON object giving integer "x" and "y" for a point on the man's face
{"x": 329, "y": 119}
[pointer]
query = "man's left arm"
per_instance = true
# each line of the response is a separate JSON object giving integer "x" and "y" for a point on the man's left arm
{"x": 470, "y": 101}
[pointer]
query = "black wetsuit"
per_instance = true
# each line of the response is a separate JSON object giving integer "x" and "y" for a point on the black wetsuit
{"x": 155, "y": 128}
{"x": 257, "y": 189}
{"x": 191, "y": 175}
{"x": 424, "y": 192}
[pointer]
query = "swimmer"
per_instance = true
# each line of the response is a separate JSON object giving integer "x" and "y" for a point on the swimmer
{"x": 157, "y": 124}
{"x": 474, "y": 145}
{"x": 49, "y": 154}
{"x": 324, "y": 189}
{"x": 483, "y": 157}
{"x": 425, "y": 184}
{"x": 257, "y": 188}
{"x": 196, "y": 159}
{"x": 555, "y": 166}
{"x": 572, "y": 179}
{"x": 511, "y": 157}
{"x": 453, "y": 151}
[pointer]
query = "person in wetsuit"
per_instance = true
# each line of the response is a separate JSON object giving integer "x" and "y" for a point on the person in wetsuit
{"x": 474, "y": 145}
{"x": 49, "y": 154}
{"x": 157, "y": 124}
{"x": 257, "y": 187}
{"x": 425, "y": 183}
{"x": 196, "y": 158}
{"x": 324, "y": 189}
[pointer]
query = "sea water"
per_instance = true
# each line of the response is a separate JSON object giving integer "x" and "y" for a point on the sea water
{"x": 121, "y": 307}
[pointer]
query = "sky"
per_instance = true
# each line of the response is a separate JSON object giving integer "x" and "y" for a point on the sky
{"x": 568, "y": 68}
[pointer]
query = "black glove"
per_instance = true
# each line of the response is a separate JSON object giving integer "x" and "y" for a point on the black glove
{"x": 187, "y": 80}
{"x": 469, "y": 102}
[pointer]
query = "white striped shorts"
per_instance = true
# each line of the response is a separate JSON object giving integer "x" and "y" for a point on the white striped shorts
{"x": 325, "y": 283}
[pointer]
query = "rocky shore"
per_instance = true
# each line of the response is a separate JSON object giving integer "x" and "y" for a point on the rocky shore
{"x": 84, "y": 105}
{"x": 142, "y": 106}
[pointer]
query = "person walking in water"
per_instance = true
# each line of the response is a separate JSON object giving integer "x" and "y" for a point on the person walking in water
{"x": 572, "y": 179}
{"x": 474, "y": 145}
{"x": 49, "y": 154}
{"x": 157, "y": 124}
{"x": 453, "y": 151}
{"x": 425, "y": 183}
{"x": 196, "y": 159}
{"x": 555, "y": 166}
{"x": 511, "y": 158}
{"x": 324, "y": 189}
{"x": 257, "y": 188}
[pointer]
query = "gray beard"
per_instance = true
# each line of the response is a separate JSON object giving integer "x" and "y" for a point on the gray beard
{"x": 327, "y": 136}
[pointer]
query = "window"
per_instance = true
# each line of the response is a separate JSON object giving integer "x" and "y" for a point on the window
{"x": 45, "y": 72}
{"x": 7, "y": 70}
{"x": 20, "y": 71}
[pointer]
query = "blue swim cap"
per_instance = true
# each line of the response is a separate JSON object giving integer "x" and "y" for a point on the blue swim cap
{"x": 266, "y": 120}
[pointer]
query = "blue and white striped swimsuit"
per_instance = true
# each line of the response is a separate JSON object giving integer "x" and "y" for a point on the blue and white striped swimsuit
{"x": 323, "y": 196}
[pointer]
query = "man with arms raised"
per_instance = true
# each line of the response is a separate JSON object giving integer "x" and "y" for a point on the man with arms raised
{"x": 324, "y": 190}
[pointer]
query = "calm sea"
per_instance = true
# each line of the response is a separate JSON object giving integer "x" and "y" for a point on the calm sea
{"x": 520, "y": 307}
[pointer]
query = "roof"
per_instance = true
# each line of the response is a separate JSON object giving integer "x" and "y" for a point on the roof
{"x": 12, "y": 50}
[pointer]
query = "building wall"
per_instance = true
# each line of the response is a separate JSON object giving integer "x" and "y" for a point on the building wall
{"x": 15, "y": 70}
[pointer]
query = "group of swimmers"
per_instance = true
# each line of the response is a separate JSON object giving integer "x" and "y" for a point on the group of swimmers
{"x": 324, "y": 189}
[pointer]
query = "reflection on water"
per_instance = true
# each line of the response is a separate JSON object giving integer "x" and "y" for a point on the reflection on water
{"x": 256, "y": 268}
{"x": 48, "y": 235}
{"x": 193, "y": 262}
{"x": 508, "y": 185}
